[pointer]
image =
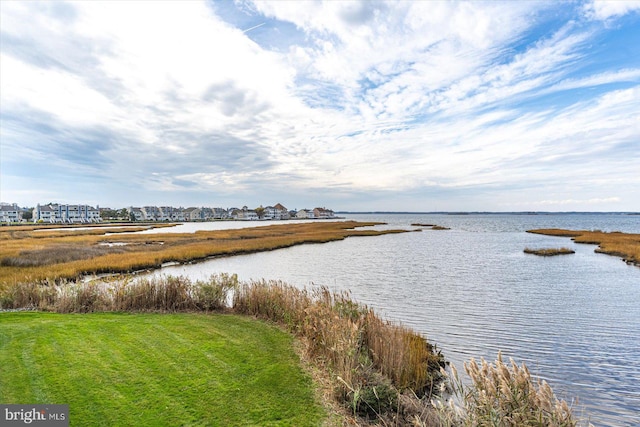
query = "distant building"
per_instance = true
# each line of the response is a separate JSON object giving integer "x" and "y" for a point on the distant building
{"x": 305, "y": 214}
{"x": 323, "y": 213}
{"x": 10, "y": 213}
{"x": 137, "y": 213}
{"x": 55, "y": 213}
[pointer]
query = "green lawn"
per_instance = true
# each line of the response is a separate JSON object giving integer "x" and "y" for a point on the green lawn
{"x": 120, "y": 369}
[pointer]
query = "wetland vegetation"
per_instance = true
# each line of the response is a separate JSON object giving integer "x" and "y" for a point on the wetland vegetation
{"x": 623, "y": 245}
{"x": 34, "y": 255}
{"x": 549, "y": 251}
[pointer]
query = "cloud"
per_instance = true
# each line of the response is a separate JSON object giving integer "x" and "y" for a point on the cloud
{"x": 594, "y": 201}
{"x": 354, "y": 101}
{"x": 607, "y": 9}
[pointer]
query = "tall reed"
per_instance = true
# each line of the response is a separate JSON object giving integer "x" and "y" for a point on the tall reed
{"x": 166, "y": 293}
{"x": 502, "y": 395}
{"x": 373, "y": 361}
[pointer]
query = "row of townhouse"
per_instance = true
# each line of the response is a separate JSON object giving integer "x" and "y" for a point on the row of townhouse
{"x": 168, "y": 213}
{"x": 57, "y": 213}
{"x": 61, "y": 213}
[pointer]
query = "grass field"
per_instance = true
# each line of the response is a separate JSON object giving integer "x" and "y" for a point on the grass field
{"x": 118, "y": 369}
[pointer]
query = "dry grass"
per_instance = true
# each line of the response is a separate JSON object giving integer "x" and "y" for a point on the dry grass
{"x": 502, "y": 395}
{"x": 29, "y": 255}
{"x": 375, "y": 364}
{"x": 623, "y": 245}
{"x": 163, "y": 294}
{"x": 549, "y": 251}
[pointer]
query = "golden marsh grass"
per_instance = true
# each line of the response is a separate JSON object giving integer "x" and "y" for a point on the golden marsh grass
{"x": 30, "y": 255}
{"x": 549, "y": 251}
{"x": 623, "y": 245}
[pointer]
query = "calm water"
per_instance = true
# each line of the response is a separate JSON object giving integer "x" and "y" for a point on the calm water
{"x": 574, "y": 319}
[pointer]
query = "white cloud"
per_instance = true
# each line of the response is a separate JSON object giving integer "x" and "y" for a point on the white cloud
{"x": 606, "y": 9}
{"x": 377, "y": 97}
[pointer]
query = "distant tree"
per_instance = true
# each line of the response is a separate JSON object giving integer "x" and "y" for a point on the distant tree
{"x": 123, "y": 214}
{"x": 28, "y": 214}
{"x": 106, "y": 214}
{"x": 132, "y": 217}
{"x": 259, "y": 212}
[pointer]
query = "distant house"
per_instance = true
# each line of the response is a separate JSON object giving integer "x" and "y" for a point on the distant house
{"x": 151, "y": 213}
{"x": 193, "y": 214}
{"x": 55, "y": 213}
{"x": 281, "y": 212}
{"x": 277, "y": 213}
{"x": 137, "y": 213}
{"x": 10, "y": 213}
{"x": 44, "y": 214}
{"x": 323, "y": 213}
{"x": 168, "y": 213}
{"x": 305, "y": 214}
{"x": 246, "y": 214}
{"x": 219, "y": 213}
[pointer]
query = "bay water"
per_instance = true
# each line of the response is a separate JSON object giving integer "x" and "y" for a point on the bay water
{"x": 573, "y": 319}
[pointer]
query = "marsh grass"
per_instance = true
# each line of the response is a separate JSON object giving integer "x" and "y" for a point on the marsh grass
{"x": 60, "y": 255}
{"x": 159, "y": 294}
{"x": 501, "y": 394}
{"x": 549, "y": 251}
{"x": 623, "y": 245}
{"x": 374, "y": 362}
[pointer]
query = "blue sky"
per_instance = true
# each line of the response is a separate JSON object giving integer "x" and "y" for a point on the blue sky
{"x": 410, "y": 105}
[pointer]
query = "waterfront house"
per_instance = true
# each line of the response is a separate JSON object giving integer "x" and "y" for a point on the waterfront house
{"x": 151, "y": 213}
{"x": 193, "y": 214}
{"x": 305, "y": 214}
{"x": 10, "y": 213}
{"x": 54, "y": 213}
{"x": 137, "y": 213}
{"x": 323, "y": 213}
{"x": 280, "y": 212}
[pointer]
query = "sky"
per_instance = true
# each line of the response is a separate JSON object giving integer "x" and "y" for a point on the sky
{"x": 350, "y": 105}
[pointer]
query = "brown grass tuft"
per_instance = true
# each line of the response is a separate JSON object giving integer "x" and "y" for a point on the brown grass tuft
{"x": 549, "y": 251}
{"x": 502, "y": 395}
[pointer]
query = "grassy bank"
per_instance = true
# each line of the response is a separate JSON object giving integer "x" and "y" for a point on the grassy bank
{"x": 30, "y": 255}
{"x": 378, "y": 371}
{"x": 151, "y": 369}
{"x": 623, "y": 245}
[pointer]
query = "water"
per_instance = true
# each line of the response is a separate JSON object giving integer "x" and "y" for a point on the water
{"x": 574, "y": 319}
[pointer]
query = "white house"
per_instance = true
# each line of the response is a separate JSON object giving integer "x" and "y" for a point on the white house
{"x": 277, "y": 212}
{"x": 10, "y": 213}
{"x": 305, "y": 214}
{"x": 245, "y": 214}
{"x": 54, "y": 213}
{"x": 323, "y": 213}
{"x": 137, "y": 213}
